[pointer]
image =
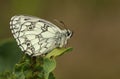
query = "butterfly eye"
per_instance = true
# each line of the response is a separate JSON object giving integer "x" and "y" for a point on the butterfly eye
{"x": 69, "y": 33}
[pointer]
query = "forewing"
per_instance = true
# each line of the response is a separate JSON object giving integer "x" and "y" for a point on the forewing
{"x": 34, "y": 36}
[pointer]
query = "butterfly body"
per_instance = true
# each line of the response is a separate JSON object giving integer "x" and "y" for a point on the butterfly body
{"x": 37, "y": 36}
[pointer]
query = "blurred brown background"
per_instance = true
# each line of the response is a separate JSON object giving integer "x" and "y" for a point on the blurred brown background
{"x": 96, "y": 39}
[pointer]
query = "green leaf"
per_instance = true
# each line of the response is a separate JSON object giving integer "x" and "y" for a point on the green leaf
{"x": 6, "y": 75}
{"x": 58, "y": 51}
{"x": 48, "y": 66}
{"x": 19, "y": 75}
{"x": 51, "y": 76}
{"x": 9, "y": 54}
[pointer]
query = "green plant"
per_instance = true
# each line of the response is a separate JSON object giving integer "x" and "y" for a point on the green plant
{"x": 28, "y": 67}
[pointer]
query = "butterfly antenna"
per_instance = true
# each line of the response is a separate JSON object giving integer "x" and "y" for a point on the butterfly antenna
{"x": 61, "y": 23}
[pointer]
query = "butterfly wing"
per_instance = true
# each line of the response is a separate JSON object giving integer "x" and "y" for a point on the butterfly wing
{"x": 35, "y": 36}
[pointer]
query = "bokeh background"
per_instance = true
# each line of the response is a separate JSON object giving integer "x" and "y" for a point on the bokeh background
{"x": 96, "y": 39}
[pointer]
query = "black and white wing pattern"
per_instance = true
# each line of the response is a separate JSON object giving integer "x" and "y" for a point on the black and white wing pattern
{"x": 37, "y": 36}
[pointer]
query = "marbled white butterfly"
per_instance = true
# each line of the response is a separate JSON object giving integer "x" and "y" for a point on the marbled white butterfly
{"x": 37, "y": 36}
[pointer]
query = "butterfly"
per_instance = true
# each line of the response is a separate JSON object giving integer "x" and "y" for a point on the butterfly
{"x": 37, "y": 36}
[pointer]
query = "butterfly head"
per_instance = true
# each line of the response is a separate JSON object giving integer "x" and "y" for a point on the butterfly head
{"x": 68, "y": 33}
